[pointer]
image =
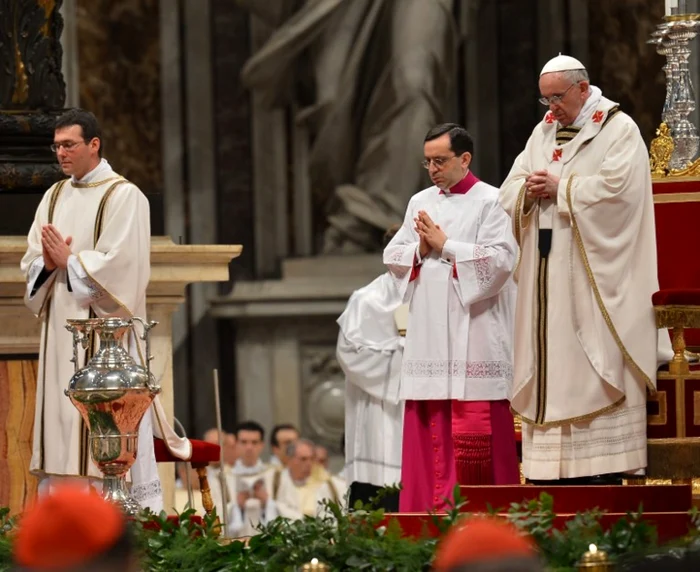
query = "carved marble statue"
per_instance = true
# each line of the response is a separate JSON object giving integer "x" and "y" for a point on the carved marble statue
{"x": 32, "y": 92}
{"x": 369, "y": 78}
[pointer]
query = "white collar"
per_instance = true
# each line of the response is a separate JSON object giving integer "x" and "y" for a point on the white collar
{"x": 102, "y": 171}
{"x": 589, "y": 107}
{"x": 240, "y": 469}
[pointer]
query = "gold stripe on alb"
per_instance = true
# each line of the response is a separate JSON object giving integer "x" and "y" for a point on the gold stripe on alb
{"x": 517, "y": 223}
{"x": 677, "y": 198}
{"x": 571, "y": 420}
{"x": 97, "y": 183}
{"x": 54, "y": 198}
{"x": 99, "y": 219}
{"x": 517, "y": 228}
{"x": 596, "y": 292}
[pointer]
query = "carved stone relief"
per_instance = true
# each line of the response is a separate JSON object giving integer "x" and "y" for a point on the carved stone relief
{"x": 323, "y": 396}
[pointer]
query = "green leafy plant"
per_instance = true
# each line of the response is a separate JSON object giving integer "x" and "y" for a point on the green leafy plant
{"x": 364, "y": 540}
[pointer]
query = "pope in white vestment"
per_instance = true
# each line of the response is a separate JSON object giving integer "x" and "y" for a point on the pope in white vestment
{"x": 452, "y": 261}
{"x": 581, "y": 203}
{"x": 105, "y": 221}
{"x": 369, "y": 350}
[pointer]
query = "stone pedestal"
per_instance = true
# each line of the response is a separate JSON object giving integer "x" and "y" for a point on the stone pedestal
{"x": 173, "y": 267}
{"x": 286, "y": 336}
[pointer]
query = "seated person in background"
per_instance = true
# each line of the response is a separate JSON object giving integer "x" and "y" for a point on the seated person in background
{"x": 321, "y": 456}
{"x": 59, "y": 533}
{"x": 221, "y": 495}
{"x": 253, "y": 482}
{"x": 321, "y": 473}
{"x": 282, "y": 435}
{"x": 250, "y": 438}
{"x": 295, "y": 492}
{"x": 230, "y": 449}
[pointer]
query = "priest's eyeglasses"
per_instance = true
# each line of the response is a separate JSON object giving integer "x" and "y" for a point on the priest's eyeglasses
{"x": 439, "y": 162}
{"x": 556, "y": 99}
{"x": 67, "y": 145}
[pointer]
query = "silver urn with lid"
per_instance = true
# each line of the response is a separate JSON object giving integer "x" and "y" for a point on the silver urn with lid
{"x": 112, "y": 393}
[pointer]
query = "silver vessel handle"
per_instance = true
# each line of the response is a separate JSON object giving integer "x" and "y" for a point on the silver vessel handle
{"x": 146, "y": 337}
{"x": 83, "y": 340}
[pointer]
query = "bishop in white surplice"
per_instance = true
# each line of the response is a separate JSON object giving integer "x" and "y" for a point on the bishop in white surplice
{"x": 452, "y": 261}
{"x": 105, "y": 222}
{"x": 581, "y": 203}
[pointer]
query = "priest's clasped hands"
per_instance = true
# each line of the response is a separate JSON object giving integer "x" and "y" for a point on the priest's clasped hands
{"x": 55, "y": 249}
{"x": 431, "y": 235}
{"x": 541, "y": 185}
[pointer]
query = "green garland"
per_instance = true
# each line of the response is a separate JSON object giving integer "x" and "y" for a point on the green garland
{"x": 356, "y": 541}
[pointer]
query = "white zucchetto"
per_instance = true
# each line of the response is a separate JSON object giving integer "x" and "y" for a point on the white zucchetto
{"x": 561, "y": 64}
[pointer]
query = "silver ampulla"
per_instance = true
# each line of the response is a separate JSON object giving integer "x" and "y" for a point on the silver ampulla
{"x": 112, "y": 393}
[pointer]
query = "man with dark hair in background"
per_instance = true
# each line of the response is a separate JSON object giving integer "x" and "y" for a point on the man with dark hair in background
{"x": 280, "y": 438}
{"x": 369, "y": 350}
{"x": 252, "y": 499}
{"x": 452, "y": 261}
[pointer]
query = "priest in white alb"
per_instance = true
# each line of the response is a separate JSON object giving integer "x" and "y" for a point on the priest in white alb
{"x": 369, "y": 351}
{"x": 586, "y": 342}
{"x": 88, "y": 255}
{"x": 452, "y": 261}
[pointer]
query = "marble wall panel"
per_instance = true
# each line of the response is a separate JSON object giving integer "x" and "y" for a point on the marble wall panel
{"x": 232, "y": 111}
{"x": 518, "y": 67}
{"x": 234, "y": 184}
{"x": 119, "y": 60}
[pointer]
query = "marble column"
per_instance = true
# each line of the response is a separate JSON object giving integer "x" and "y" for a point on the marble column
{"x": 69, "y": 41}
{"x": 161, "y": 310}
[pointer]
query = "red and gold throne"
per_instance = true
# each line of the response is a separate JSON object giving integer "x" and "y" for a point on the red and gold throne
{"x": 673, "y": 422}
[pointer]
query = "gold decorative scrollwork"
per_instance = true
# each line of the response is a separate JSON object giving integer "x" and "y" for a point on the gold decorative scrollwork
{"x": 673, "y": 316}
{"x": 660, "y": 151}
{"x": 692, "y": 171}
